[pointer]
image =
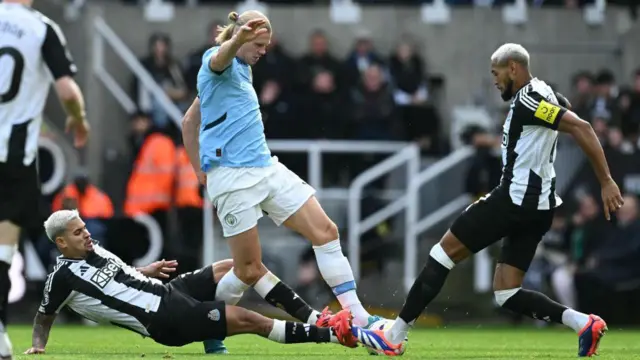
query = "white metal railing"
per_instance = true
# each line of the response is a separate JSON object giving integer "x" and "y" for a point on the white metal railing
{"x": 409, "y": 155}
{"x": 415, "y": 225}
{"x": 315, "y": 149}
{"x": 103, "y": 33}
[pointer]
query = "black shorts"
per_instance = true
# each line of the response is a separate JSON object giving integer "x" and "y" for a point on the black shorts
{"x": 20, "y": 199}
{"x": 496, "y": 217}
{"x": 188, "y": 312}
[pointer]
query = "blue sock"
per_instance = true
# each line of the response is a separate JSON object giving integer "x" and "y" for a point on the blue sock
{"x": 214, "y": 347}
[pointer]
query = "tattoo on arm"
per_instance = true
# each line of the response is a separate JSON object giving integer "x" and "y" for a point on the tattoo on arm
{"x": 41, "y": 328}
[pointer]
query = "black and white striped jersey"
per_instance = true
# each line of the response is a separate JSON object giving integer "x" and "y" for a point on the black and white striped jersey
{"x": 33, "y": 52}
{"x": 104, "y": 289}
{"x": 529, "y": 143}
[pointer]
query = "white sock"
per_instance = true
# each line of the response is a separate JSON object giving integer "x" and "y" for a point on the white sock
{"x": 230, "y": 289}
{"x": 277, "y": 334}
{"x": 398, "y": 332}
{"x": 574, "y": 319}
{"x": 7, "y": 252}
{"x": 6, "y": 349}
{"x": 336, "y": 271}
{"x": 313, "y": 317}
{"x": 266, "y": 283}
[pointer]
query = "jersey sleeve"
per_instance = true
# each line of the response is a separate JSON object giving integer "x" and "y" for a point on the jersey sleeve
{"x": 533, "y": 109}
{"x": 206, "y": 64}
{"x": 56, "y": 54}
{"x": 55, "y": 293}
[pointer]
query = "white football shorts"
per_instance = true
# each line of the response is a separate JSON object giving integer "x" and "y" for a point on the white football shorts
{"x": 242, "y": 195}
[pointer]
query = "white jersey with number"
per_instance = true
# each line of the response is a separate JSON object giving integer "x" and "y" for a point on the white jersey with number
{"x": 33, "y": 52}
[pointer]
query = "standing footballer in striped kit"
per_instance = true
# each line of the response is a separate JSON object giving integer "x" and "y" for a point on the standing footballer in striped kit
{"x": 33, "y": 55}
{"x": 520, "y": 209}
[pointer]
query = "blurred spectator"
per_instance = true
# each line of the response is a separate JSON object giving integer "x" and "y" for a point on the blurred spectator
{"x": 275, "y": 65}
{"x": 612, "y": 272}
{"x": 361, "y": 58}
{"x": 585, "y": 229}
{"x": 188, "y": 202}
{"x": 419, "y": 119}
{"x": 317, "y": 60}
{"x": 374, "y": 113}
{"x": 166, "y": 71}
{"x": 583, "y": 97}
{"x": 323, "y": 111}
{"x": 93, "y": 204}
{"x": 150, "y": 186}
{"x": 486, "y": 166}
{"x": 194, "y": 59}
{"x": 605, "y": 94}
{"x": 373, "y": 116}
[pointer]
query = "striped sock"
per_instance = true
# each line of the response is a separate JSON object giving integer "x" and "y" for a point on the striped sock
{"x": 336, "y": 271}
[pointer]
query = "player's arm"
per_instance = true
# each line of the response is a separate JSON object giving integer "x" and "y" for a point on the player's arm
{"x": 190, "y": 133}
{"x": 60, "y": 63}
{"x": 55, "y": 294}
{"x": 584, "y": 135}
{"x": 221, "y": 59}
{"x": 41, "y": 328}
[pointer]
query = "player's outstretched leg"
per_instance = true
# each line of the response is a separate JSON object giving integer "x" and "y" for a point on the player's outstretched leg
{"x": 313, "y": 223}
{"x": 243, "y": 321}
{"x": 269, "y": 287}
{"x": 509, "y": 294}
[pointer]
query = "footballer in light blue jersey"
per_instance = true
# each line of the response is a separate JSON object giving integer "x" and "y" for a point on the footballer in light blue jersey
{"x": 231, "y": 131}
{"x": 227, "y": 147}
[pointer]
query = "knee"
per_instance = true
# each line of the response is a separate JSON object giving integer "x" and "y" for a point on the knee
{"x": 325, "y": 233}
{"x": 249, "y": 273}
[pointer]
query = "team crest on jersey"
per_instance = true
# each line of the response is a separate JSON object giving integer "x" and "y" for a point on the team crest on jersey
{"x": 214, "y": 315}
{"x": 102, "y": 277}
{"x": 231, "y": 220}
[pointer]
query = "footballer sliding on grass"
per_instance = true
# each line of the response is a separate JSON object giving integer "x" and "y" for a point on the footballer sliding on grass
{"x": 99, "y": 286}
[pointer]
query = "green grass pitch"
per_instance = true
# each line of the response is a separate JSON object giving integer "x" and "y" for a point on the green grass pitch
{"x": 75, "y": 342}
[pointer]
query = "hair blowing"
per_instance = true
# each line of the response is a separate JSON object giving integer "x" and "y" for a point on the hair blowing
{"x": 236, "y": 21}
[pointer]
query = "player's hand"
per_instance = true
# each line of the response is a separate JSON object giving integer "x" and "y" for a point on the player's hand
{"x": 80, "y": 129}
{"x": 250, "y": 31}
{"x": 611, "y": 198}
{"x": 34, "y": 351}
{"x": 161, "y": 269}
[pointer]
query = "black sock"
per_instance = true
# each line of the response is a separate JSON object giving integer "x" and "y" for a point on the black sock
{"x": 283, "y": 297}
{"x": 424, "y": 290}
{"x": 296, "y": 332}
{"x": 535, "y": 305}
{"x": 5, "y": 286}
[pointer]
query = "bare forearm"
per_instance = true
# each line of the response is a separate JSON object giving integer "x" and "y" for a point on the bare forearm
{"x": 41, "y": 329}
{"x": 225, "y": 54}
{"x": 71, "y": 98}
{"x": 588, "y": 141}
{"x": 190, "y": 133}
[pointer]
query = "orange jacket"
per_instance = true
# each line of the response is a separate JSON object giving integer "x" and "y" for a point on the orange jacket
{"x": 93, "y": 204}
{"x": 187, "y": 186}
{"x": 151, "y": 183}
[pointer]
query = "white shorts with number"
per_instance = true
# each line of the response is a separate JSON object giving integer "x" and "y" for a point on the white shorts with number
{"x": 241, "y": 195}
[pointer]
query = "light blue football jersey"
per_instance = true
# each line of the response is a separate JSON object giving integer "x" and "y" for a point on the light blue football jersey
{"x": 231, "y": 131}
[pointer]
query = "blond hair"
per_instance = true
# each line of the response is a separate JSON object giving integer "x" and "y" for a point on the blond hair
{"x": 236, "y": 21}
{"x": 511, "y": 52}
{"x": 57, "y": 223}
